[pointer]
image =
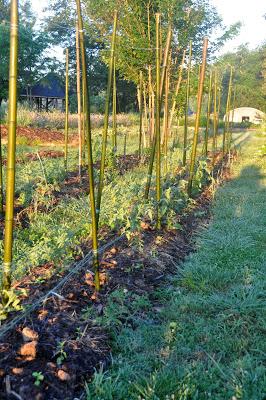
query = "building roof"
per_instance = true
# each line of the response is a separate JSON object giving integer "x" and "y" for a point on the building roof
{"x": 49, "y": 86}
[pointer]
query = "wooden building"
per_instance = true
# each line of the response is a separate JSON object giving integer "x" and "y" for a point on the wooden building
{"x": 46, "y": 95}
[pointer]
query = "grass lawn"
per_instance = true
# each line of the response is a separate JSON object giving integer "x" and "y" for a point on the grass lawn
{"x": 203, "y": 335}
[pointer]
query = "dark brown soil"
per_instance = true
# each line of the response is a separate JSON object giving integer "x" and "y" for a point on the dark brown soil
{"x": 60, "y": 322}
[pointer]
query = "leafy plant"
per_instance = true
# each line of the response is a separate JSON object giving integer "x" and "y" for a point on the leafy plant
{"x": 39, "y": 377}
{"x": 10, "y": 302}
{"x": 61, "y": 354}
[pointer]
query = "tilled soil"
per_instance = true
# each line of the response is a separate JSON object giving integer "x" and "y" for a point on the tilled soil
{"x": 36, "y": 134}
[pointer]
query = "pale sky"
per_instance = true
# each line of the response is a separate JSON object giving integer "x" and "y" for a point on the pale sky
{"x": 249, "y": 12}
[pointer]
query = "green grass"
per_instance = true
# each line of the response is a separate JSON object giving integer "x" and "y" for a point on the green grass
{"x": 207, "y": 341}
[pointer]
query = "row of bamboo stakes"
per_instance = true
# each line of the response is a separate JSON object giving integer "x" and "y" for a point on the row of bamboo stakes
{"x": 153, "y": 123}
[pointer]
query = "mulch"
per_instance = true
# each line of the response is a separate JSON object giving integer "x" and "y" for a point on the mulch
{"x": 61, "y": 324}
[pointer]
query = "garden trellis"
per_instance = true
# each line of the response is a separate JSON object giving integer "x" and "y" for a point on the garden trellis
{"x": 159, "y": 84}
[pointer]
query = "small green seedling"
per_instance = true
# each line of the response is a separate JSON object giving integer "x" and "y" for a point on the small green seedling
{"x": 62, "y": 355}
{"x": 38, "y": 378}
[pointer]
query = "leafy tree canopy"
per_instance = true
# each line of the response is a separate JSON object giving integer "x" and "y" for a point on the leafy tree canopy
{"x": 249, "y": 76}
{"x": 32, "y": 46}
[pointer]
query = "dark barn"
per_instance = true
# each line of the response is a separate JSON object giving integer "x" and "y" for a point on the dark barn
{"x": 47, "y": 95}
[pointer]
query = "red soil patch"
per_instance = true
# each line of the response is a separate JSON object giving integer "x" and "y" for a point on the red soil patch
{"x": 38, "y": 134}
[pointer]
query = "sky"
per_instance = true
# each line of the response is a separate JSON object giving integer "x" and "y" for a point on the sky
{"x": 249, "y": 12}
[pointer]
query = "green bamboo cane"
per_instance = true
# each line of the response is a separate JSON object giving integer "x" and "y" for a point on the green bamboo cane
{"x": 11, "y": 151}
{"x": 157, "y": 124}
{"x": 206, "y": 138}
{"x": 187, "y": 106}
{"x": 225, "y": 132}
{"x": 106, "y": 118}
{"x": 114, "y": 132}
{"x": 1, "y": 173}
{"x": 218, "y": 108}
{"x": 125, "y": 144}
{"x": 232, "y": 121}
{"x": 146, "y": 115}
{"x": 166, "y": 118}
{"x": 79, "y": 101}
{"x": 140, "y": 111}
{"x": 83, "y": 160}
{"x": 214, "y": 138}
{"x": 86, "y": 111}
{"x": 177, "y": 88}
{"x": 66, "y": 110}
{"x": 197, "y": 122}
{"x": 162, "y": 84}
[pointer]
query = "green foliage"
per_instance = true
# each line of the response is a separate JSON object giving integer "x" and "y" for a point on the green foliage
{"x": 10, "y": 302}
{"x": 39, "y": 377}
{"x": 32, "y": 46}
{"x": 249, "y": 76}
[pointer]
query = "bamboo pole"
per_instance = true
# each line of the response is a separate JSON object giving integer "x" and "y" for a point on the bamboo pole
{"x": 114, "y": 120}
{"x": 11, "y": 151}
{"x": 187, "y": 106}
{"x": 1, "y": 174}
{"x": 106, "y": 117}
{"x": 232, "y": 120}
{"x": 214, "y": 138}
{"x": 86, "y": 111}
{"x": 157, "y": 124}
{"x": 206, "y": 136}
{"x": 225, "y": 132}
{"x": 218, "y": 108}
{"x": 197, "y": 122}
{"x": 166, "y": 118}
{"x": 161, "y": 88}
{"x": 66, "y": 109}
{"x": 79, "y": 100}
{"x": 177, "y": 88}
{"x": 140, "y": 111}
{"x": 83, "y": 160}
{"x": 146, "y": 116}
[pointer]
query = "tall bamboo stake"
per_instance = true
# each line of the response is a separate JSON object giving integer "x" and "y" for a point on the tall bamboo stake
{"x": 218, "y": 108}
{"x": 114, "y": 131}
{"x": 106, "y": 117}
{"x": 214, "y": 138}
{"x": 162, "y": 84}
{"x": 177, "y": 88}
{"x": 140, "y": 111}
{"x": 11, "y": 151}
{"x": 157, "y": 124}
{"x": 187, "y": 106}
{"x": 166, "y": 117}
{"x": 83, "y": 159}
{"x": 1, "y": 174}
{"x": 146, "y": 116}
{"x": 225, "y": 132}
{"x": 197, "y": 122}
{"x": 206, "y": 136}
{"x": 79, "y": 100}
{"x": 66, "y": 110}
{"x": 86, "y": 111}
{"x": 232, "y": 119}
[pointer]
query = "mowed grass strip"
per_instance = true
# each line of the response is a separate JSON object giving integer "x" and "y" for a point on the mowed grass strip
{"x": 202, "y": 336}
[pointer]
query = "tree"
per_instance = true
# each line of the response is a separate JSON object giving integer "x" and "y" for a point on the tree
{"x": 249, "y": 76}
{"x": 32, "y": 44}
